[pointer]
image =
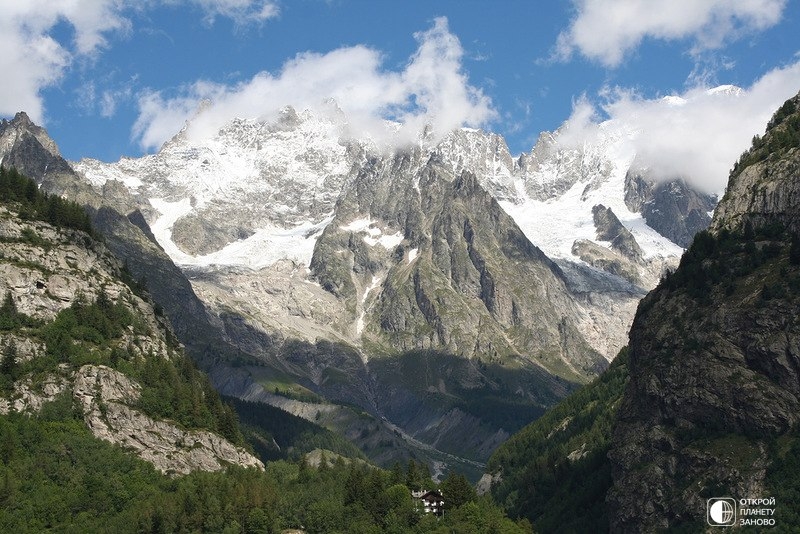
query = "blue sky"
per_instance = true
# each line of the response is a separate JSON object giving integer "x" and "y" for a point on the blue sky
{"x": 112, "y": 78}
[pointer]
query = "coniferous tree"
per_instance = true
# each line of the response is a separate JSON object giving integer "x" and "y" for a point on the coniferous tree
{"x": 8, "y": 365}
{"x": 354, "y": 486}
{"x": 9, "y": 317}
{"x": 396, "y": 475}
{"x": 413, "y": 476}
{"x": 9, "y": 306}
{"x": 457, "y": 490}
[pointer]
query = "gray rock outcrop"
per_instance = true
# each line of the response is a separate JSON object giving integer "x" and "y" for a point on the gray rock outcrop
{"x": 610, "y": 229}
{"x": 45, "y": 270}
{"x": 459, "y": 275}
{"x": 107, "y": 398}
{"x": 672, "y": 208}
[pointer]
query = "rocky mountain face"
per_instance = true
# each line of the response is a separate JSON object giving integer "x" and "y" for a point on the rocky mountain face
{"x": 444, "y": 281}
{"x": 224, "y": 340}
{"x": 289, "y": 232}
{"x": 715, "y": 353}
{"x": 50, "y": 274}
{"x": 672, "y": 208}
{"x": 704, "y": 401}
{"x": 325, "y": 266}
{"x": 29, "y": 149}
{"x": 106, "y": 397}
{"x": 255, "y": 194}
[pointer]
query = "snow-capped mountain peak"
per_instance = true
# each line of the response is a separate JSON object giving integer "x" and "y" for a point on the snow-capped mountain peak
{"x": 250, "y": 194}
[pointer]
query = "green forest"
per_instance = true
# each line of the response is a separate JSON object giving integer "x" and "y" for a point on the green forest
{"x": 54, "y": 475}
{"x": 541, "y": 481}
{"x": 33, "y": 204}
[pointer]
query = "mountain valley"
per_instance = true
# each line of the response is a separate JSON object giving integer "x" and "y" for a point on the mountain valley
{"x": 326, "y": 270}
{"x": 402, "y": 302}
{"x": 703, "y": 402}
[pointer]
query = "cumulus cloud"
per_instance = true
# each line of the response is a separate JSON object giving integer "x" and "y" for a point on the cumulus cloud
{"x": 431, "y": 91}
{"x": 607, "y": 30}
{"x": 34, "y": 59}
{"x": 697, "y": 135}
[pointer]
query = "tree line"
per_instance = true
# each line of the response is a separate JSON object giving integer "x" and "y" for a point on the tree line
{"x": 35, "y": 204}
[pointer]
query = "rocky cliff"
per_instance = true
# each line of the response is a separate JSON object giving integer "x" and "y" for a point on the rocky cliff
{"x": 715, "y": 354}
{"x": 704, "y": 402}
{"x": 114, "y": 211}
{"x": 67, "y": 316}
{"x": 672, "y": 208}
{"x": 255, "y": 194}
{"x": 428, "y": 260}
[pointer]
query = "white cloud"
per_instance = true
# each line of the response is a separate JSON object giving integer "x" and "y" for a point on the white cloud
{"x": 34, "y": 59}
{"x": 607, "y": 30}
{"x": 432, "y": 90}
{"x": 697, "y": 135}
{"x": 240, "y": 11}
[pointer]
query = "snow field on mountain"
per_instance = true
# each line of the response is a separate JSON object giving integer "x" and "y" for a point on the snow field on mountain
{"x": 375, "y": 235}
{"x": 265, "y": 247}
{"x": 286, "y": 177}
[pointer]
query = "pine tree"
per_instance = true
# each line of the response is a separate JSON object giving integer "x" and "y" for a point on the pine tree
{"x": 8, "y": 365}
{"x": 354, "y": 486}
{"x": 413, "y": 476}
{"x": 457, "y": 491}
{"x": 396, "y": 475}
{"x": 303, "y": 472}
{"x": 9, "y": 306}
{"x": 9, "y": 317}
{"x": 229, "y": 424}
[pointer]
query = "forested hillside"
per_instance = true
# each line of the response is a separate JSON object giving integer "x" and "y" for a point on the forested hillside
{"x": 555, "y": 472}
{"x": 83, "y": 348}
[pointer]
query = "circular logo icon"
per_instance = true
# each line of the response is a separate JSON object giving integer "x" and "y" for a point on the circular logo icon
{"x": 722, "y": 512}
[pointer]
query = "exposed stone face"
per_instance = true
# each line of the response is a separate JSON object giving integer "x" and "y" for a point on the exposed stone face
{"x": 437, "y": 264}
{"x": 29, "y": 396}
{"x": 607, "y": 260}
{"x": 714, "y": 372}
{"x": 473, "y": 285}
{"x": 742, "y": 381}
{"x": 610, "y": 229}
{"x": 671, "y": 208}
{"x": 106, "y": 396}
{"x": 45, "y": 270}
{"x": 28, "y": 148}
{"x": 761, "y": 193}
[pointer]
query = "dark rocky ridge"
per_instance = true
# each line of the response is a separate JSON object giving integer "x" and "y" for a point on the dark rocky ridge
{"x": 610, "y": 229}
{"x": 714, "y": 360}
{"x": 673, "y": 209}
